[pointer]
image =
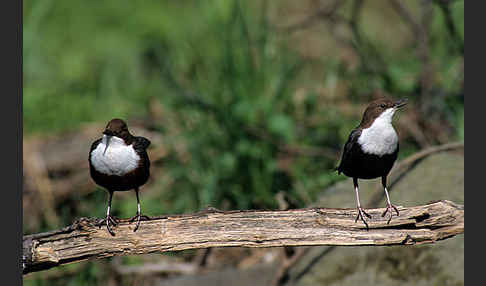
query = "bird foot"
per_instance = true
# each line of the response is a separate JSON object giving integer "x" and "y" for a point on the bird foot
{"x": 361, "y": 212}
{"x": 137, "y": 217}
{"x": 390, "y": 208}
{"x": 109, "y": 220}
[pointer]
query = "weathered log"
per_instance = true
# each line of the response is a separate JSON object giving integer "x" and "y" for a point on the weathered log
{"x": 251, "y": 228}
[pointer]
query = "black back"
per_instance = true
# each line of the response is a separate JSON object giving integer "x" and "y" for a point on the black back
{"x": 357, "y": 164}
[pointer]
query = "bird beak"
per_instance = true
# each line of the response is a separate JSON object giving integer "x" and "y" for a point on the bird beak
{"x": 108, "y": 134}
{"x": 400, "y": 103}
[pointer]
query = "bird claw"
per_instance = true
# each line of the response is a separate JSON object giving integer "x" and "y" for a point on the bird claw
{"x": 361, "y": 212}
{"x": 390, "y": 208}
{"x": 137, "y": 218}
{"x": 109, "y": 219}
{"x": 112, "y": 219}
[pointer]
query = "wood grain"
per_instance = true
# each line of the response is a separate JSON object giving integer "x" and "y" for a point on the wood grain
{"x": 252, "y": 228}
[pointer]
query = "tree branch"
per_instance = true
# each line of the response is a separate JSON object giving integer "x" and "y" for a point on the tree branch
{"x": 253, "y": 228}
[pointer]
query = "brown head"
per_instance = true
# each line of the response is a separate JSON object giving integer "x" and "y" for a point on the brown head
{"x": 379, "y": 106}
{"x": 117, "y": 127}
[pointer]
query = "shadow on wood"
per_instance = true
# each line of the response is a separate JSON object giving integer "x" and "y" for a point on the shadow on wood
{"x": 251, "y": 228}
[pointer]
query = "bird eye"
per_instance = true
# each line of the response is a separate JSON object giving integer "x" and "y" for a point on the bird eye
{"x": 383, "y": 105}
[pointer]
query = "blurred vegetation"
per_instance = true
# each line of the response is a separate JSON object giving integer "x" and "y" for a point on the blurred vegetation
{"x": 257, "y": 98}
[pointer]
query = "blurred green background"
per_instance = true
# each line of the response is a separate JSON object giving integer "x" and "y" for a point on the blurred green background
{"x": 253, "y": 99}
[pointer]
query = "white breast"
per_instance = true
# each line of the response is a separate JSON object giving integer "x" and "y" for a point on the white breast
{"x": 119, "y": 159}
{"x": 380, "y": 138}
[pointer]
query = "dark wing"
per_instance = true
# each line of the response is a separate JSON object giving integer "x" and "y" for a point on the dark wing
{"x": 348, "y": 148}
{"x": 93, "y": 146}
{"x": 140, "y": 143}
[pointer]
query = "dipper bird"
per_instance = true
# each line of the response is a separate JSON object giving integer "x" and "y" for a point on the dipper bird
{"x": 119, "y": 162}
{"x": 371, "y": 149}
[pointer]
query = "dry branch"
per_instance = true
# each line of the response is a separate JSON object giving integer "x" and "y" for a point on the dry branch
{"x": 253, "y": 228}
{"x": 397, "y": 173}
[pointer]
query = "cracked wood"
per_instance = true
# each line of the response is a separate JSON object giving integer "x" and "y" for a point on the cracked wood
{"x": 251, "y": 228}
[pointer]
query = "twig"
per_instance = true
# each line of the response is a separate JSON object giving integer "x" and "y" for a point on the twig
{"x": 326, "y": 12}
{"x": 426, "y": 152}
{"x": 397, "y": 173}
{"x": 302, "y": 227}
{"x": 282, "y": 274}
{"x": 451, "y": 26}
{"x": 402, "y": 167}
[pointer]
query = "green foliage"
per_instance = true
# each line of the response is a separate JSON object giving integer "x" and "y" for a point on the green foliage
{"x": 460, "y": 125}
{"x": 236, "y": 113}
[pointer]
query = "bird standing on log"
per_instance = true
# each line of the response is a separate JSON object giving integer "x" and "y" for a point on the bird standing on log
{"x": 119, "y": 162}
{"x": 371, "y": 149}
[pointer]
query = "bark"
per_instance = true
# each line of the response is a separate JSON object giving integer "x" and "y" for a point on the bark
{"x": 252, "y": 228}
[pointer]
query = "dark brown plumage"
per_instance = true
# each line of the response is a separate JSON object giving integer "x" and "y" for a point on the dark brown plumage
{"x": 372, "y": 148}
{"x": 119, "y": 162}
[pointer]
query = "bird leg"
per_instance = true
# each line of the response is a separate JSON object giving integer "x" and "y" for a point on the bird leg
{"x": 361, "y": 211}
{"x": 389, "y": 206}
{"x": 109, "y": 219}
{"x": 138, "y": 215}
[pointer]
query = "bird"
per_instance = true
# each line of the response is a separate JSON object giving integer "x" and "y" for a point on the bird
{"x": 371, "y": 150}
{"x": 118, "y": 161}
